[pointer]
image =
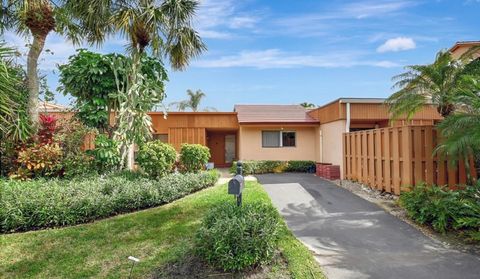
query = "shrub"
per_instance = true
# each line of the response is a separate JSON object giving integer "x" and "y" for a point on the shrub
{"x": 44, "y": 203}
{"x": 193, "y": 157}
{"x": 300, "y": 166}
{"x": 271, "y": 166}
{"x": 75, "y": 164}
{"x": 39, "y": 160}
{"x": 235, "y": 238}
{"x": 48, "y": 125}
{"x": 443, "y": 209}
{"x": 156, "y": 158}
{"x": 106, "y": 153}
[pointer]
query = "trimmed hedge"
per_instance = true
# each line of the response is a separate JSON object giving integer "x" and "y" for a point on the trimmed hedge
{"x": 42, "y": 203}
{"x": 269, "y": 166}
{"x": 235, "y": 238}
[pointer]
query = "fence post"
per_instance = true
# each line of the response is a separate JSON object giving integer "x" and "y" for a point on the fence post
{"x": 407, "y": 158}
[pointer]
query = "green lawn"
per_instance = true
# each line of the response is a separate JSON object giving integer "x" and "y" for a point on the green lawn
{"x": 156, "y": 236}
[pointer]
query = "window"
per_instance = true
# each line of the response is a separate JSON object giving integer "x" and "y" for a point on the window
{"x": 288, "y": 139}
{"x": 278, "y": 139}
{"x": 270, "y": 138}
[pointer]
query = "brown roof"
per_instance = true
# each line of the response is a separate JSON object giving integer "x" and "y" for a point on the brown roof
{"x": 273, "y": 114}
{"x": 464, "y": 43}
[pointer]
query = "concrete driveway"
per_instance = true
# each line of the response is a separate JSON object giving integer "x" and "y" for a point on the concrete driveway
{"x": 353, "y": 238}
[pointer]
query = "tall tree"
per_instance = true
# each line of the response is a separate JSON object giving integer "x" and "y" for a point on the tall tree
{"x": 435, "y": 84}
{"x": 35, "y": 19}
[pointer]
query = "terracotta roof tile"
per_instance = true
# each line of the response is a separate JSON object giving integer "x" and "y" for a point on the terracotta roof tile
{"x": 273, "y": 114}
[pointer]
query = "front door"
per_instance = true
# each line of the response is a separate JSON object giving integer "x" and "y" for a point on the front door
{"x": 216, "y": 143}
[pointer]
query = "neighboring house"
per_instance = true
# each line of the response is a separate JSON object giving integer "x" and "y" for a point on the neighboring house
{"x": 279, "y": 132}
{"x": 460, "y": 48}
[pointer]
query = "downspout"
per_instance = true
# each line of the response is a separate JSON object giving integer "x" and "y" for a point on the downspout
{"x": 321, "y": 146}
{"x": 347, "y": 124}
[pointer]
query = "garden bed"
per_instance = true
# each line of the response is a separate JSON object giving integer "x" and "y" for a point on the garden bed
{"x": 36, "y": 204}
{"x": 159, "y": 237}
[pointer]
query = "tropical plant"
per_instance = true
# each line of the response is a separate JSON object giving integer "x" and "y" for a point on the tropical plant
{"x": 39, "y": 160}
{"x": 36, "y": 19}
{"x": 89, "y": 77}
{"x": 308, "y": 105}
{"x": 193, "y": 101}
{"x": 14, "y": 122}
{"x": 436, "y": 84}
{"x": 164, "y": 27}
{"x": 461, "y": 130}
{"x": 106, "y": 154}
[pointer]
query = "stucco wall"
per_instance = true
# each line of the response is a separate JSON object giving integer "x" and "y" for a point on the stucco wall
{"x": 250, "y": 144}
{"x": 332, "y": 143}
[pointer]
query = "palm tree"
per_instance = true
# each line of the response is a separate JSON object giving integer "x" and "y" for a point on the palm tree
{"x": 308, "y": 105}
{"x": 193, "y": 101}
{"x": 461, "y": 130}
{"x": 435, "y": 84}
{"x": 164, "y": 27}
{"x": 36, "y": 19}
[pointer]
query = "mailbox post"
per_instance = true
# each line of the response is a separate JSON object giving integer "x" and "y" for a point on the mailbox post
{"x": 236, "y": 184}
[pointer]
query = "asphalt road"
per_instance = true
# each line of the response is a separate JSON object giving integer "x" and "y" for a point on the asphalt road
{"x": 353, "y": 238}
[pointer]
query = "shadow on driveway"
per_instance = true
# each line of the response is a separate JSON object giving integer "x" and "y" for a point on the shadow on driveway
{"x": 353, "y": 238}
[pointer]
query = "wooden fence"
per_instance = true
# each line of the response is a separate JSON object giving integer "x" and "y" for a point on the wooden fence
{"x": 392, "y": 159}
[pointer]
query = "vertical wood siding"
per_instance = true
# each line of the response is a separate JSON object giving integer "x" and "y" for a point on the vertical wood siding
{"x": 178, "y": 136}
{"x": 392, "y": 159}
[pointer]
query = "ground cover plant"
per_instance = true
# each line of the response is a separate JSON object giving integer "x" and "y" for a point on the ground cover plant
{"x": 35, "y": 204}
{"x": 445, "y": 210}
{"x": 157, "y": 236}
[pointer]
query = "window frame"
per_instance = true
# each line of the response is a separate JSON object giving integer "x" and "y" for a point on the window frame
{"x": 280, "y": 134}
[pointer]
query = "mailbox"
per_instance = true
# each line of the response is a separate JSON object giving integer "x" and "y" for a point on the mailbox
{"x": 236, "y": 185}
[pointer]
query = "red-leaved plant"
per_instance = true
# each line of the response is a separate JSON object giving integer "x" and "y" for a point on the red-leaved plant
{"x": 48, "y": 125}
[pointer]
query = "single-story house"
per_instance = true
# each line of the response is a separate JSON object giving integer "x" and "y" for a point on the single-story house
{"x": 279, "y": 132}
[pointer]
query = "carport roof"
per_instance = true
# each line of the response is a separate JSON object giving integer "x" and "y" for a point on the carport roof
{"x": 273, "y": 114}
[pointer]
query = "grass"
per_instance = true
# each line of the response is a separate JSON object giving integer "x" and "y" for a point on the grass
{"x": 156, "y": 236}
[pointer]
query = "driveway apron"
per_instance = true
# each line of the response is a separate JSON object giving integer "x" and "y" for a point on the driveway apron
{"x": 353, "y": 238}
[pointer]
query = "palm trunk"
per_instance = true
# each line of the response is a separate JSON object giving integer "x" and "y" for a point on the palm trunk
{"x": 32, "y": 78}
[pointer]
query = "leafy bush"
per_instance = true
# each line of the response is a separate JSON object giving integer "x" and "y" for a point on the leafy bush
{"x": 193, "y": 157}
{"x": 76, "y": 164}
{"x": 39, "y": 160}
{"x": 156, "y": 158}
{"x": 44, "y": 203}
{"x": 443, "y": 209}
{"x": 270, "y": 166}
{"x": 106, "y": 153}
{"x": 48, "y": 125}
{"x": 235, "y": 238}
{"x": 300, "y": 166}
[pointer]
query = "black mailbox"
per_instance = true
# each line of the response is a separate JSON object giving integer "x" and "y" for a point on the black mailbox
{"x": 236, "y": 185}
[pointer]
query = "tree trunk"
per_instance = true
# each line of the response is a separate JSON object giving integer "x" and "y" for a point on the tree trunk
{"x": 32, "y": 78}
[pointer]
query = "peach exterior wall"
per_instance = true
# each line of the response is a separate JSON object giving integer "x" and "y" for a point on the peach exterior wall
{"x": 332, "y": 144}
{"x": 250, "y": 145}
